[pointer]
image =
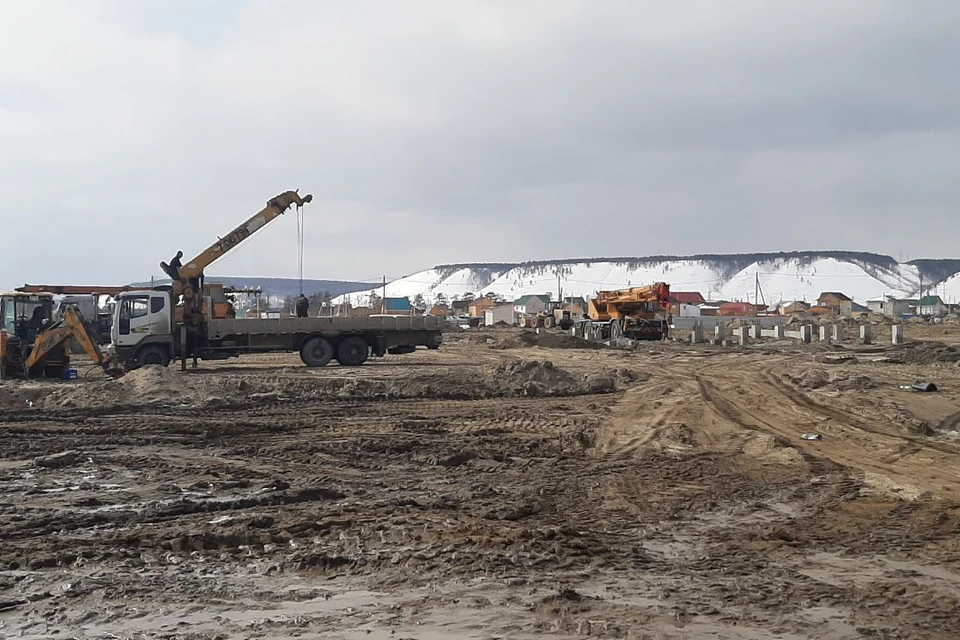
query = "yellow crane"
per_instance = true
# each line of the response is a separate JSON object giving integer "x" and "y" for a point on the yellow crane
{"x": 188, "y": 278}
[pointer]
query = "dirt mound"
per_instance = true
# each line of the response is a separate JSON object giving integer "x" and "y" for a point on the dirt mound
{"x": 841, "y": 381}
{"x": 530, "y": 378}
{"x": 547, "y": 340}
{"x": 926, "y": 353}
{"x": 153, "y": 380}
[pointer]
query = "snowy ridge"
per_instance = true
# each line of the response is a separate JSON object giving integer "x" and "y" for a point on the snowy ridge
{"x": 787, "y": 276}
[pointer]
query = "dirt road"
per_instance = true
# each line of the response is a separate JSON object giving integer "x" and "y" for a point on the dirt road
{"x": 492, "y": 489}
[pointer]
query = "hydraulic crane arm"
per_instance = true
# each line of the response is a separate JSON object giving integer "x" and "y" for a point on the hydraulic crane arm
{"x": 71, "y": 325}
{"x": 276, "y": 206}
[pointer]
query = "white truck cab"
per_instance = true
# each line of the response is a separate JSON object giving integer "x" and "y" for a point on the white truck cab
{"x": 142, "y": 330}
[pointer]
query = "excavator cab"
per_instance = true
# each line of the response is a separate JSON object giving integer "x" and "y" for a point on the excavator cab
{"x": 25, "y": 316}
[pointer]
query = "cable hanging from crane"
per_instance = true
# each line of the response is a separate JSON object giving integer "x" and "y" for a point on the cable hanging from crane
{"x": 300, "y": 241}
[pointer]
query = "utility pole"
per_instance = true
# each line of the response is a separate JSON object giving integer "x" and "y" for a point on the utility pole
{"x": 559, "y": 290}
{"x": 383, "y": 299}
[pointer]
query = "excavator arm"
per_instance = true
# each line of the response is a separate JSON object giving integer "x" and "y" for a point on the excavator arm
{"x": 71, "y": 325}
{"x": 192, "y": 271}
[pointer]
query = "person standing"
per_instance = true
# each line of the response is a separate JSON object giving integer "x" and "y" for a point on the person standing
{"x": 302, "y": 306}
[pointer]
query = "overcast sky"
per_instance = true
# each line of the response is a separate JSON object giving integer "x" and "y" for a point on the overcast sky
{"x": 448, "y": 131}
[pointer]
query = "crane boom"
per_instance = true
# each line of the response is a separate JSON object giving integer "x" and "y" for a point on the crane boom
{"x": 192, "y": 271}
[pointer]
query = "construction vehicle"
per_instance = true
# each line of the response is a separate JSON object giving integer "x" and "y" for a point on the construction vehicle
{"x": 91, "y": 297}
{"x": 149, "y": 327}
{"x": 146, "y": 331}
{"x": 637, "y": 313}
{"x": 32, "y": 344}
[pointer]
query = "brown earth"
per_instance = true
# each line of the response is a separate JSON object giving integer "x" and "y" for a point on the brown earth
{"x": 489, "y": 492}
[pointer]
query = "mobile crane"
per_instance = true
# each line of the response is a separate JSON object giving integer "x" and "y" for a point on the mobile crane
{"x": 638, "y": 313}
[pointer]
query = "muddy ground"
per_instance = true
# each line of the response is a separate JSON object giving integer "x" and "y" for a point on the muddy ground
{"x": 501, "y": 487}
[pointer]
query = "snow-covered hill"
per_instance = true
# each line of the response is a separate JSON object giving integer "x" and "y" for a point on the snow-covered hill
{"x": 784, "y": 276}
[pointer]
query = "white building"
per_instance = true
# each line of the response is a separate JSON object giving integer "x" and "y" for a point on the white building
{"x": 499, "y": 313}
{"x": 689, "y": 310}
{"x": 531, "y": 304}
{"x": 889, "y": 306}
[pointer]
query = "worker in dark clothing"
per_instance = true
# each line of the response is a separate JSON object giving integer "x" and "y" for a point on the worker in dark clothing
{"x": 175, "y": 264}
{"x": 302, "y": 306}
{"x": 173, "y": 269}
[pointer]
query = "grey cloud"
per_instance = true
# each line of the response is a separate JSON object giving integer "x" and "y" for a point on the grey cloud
{"x": 456, "y": 131}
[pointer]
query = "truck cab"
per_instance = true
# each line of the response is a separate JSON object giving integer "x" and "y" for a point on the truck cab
{"x": 142, "y": 331}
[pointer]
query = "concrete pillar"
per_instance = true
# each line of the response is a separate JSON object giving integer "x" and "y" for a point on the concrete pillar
{"x": 696, "y": 335}
{"x": 806, "y": 333}
{"x": 779, "y": 331}
{"x": 824, "y": 333}
{"x": 719, "y": 332}
{"x": 838, "y": 334}
{"x": 865, "y": 333}
{"x": 896, "y": 334}
{"x": 740, "y": 333}
{"x": 756, "y": 332}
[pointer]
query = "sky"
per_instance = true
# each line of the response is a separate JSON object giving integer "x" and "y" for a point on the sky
{"x": 439, "y": 131}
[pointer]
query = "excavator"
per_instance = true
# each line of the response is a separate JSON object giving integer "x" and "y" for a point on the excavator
{"x": 31, "y": 344}
{"x": 637, "y": 313}
{"x": 188, "y": 278}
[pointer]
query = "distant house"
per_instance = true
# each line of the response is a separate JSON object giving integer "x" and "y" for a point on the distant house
{"x": 397, "y": 306}
{"x": 461, "y": 307}
{"x": 858, "y": 310}
{"x": 478, "y": 306}
{"x": 531, "y": 305}
{"x": 689, "y": 298}
{"x": 889, "y": 306}
{"x": 821, "y": 310}
{"x": 500, "y": 313}
{"x": 738, "y": 309}
{"x": 710, "y": 309}
{"x": 683, "y": 310}
{"x": 932, "y": 306}
{"x": 840, "y": 303}
{"x": 438, "y": 311}
{"x": 794, "y": 306}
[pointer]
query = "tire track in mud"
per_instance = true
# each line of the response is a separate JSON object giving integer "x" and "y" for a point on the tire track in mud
{"x": 808, "y": 403}
{"x": 851, "y": 454}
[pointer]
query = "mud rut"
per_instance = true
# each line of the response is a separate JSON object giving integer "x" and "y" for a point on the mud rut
{"x": 679, "y": 506}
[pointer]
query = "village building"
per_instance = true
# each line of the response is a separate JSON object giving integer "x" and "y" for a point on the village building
{"x": 682, "y": 303}
{"x": 932, "y": 306}
{"x": 889, "y": 306}
{"x": 478, "y": 306}
{"x": 500, "y": 313}
{"x": 841, "y": 303}
{"x": 531, "y": 304}
{"x": 791, "y": 307}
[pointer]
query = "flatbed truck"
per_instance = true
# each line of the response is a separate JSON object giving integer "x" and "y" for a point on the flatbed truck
{"x": 146, "y": 331}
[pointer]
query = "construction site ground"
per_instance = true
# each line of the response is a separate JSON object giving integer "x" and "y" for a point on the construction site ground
{"x": 504, "y": 486}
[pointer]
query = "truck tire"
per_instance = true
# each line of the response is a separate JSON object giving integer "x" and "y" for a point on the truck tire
{"x": 352, "y": 351}
{"x": 152, "y": 355}
{"x": 316, "y": 352}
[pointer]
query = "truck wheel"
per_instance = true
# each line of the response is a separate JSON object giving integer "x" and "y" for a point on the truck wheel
{"x": 353, "y": 351}
{"x": 316, "y": 352}
{"x": 152, "y": 355}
